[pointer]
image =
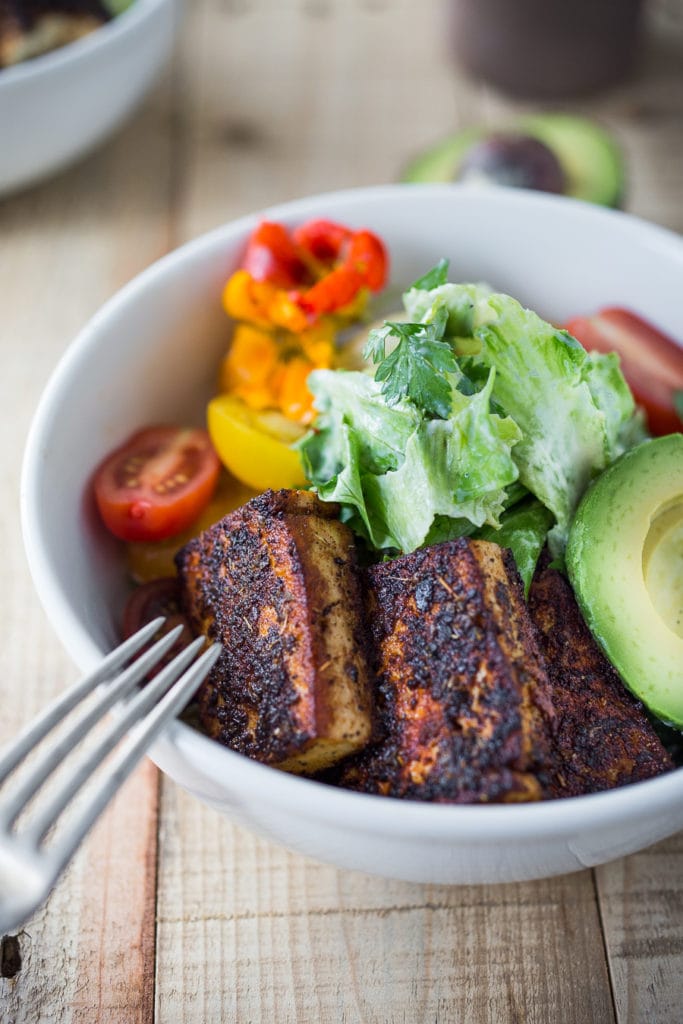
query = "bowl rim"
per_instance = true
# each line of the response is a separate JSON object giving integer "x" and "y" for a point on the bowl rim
{"x": 119, "y": 27}
{"x": 314, "y": 799}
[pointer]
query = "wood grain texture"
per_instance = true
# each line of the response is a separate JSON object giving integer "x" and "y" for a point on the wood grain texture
{"x": 64, "y": 249}
{"x": 249, "y": 932}
{"x": 641, "y": 900}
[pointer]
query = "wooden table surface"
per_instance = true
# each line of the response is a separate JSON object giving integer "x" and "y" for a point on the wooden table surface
{"x": 170, "y": 913}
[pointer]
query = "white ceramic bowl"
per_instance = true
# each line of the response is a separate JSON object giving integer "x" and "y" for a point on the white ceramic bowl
{"x": 151, "y": 353}
{"x": 56, "y": 107}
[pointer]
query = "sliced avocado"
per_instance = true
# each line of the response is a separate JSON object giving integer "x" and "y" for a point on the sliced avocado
{"x": 625, "y": 562}
{"x": 442, "y": 161}
{"x": 591, "y": 161}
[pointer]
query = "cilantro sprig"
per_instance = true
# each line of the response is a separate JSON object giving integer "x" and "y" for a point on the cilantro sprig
{"x": 417, "y": 365}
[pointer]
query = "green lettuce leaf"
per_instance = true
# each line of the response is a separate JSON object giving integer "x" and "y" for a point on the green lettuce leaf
{"x": 523, "y": 529}
{"x": 571, "y": 407}
{"x": 394, "y": 471}
{"x": 481, "y": 420}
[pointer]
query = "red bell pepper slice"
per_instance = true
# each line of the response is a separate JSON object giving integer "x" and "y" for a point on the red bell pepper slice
{"x": 368, "y": 256}
{"x": 271, "y": 255}
{"x": 361, "y": 250}
{"x": 323, "y": 265}
{"x": 323, "y": 239}
{"x": 332, "y": 292}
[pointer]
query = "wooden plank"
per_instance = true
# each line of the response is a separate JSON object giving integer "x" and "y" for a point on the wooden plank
{"x": 273, "y": 93}
{"x": 641, "y": 902}
{"x": 248, "y": 932}
{"x": 89, "y": 953}
{"x": 64, "y": 248}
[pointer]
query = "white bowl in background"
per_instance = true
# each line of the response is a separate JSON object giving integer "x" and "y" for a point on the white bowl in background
{"x": 151, "y": 353}
{"x": 56, "y": 107}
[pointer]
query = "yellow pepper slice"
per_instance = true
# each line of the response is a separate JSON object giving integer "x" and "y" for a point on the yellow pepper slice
{"x": 262, "y": 303}
{"x": 294, "y": 398}
{"x": 240, "y": 303}
{"x": 250, "y": 360}
{"x": 254, "y": 446}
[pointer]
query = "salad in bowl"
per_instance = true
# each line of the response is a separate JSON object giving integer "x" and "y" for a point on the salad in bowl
{"x": 434, "y": 532}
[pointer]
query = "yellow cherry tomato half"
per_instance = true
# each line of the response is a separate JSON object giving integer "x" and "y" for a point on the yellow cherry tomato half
{"x": 255, "y": 446}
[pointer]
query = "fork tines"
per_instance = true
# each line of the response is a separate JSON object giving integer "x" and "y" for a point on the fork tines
{"x": 139, "y": 718}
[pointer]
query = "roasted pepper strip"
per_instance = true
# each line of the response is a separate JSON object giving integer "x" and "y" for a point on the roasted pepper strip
{"x": 291, "y": 294}
{"x": 262, "y": 303}
{"x": 320, "y": 269}
{"x": 272, "y": 256}
{"x": 322, "y": 239}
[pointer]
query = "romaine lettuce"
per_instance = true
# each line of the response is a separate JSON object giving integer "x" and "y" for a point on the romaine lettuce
{"x": 571, "y": 406}
{"x": 475, "y": 403}
{"x": 394, "y": 470}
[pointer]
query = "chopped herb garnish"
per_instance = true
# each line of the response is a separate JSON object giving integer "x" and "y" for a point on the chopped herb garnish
{"x": 416, "y": 367}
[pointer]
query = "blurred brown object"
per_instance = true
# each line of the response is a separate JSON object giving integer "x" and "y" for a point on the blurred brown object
{"x": 545, "y": 49}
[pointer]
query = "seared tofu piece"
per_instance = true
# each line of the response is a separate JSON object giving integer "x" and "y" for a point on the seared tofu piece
{"x": 276, "y": 583}
{"x": 31, "y": 27}
{"x": 463, "y": 693}
{"x": 602, "y": 737}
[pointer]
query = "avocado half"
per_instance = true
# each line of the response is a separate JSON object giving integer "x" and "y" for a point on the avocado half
{"x": 591, "y": 161}
{"x": 625, "y": 563}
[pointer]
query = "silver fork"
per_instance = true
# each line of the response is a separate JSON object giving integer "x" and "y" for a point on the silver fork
{"x": 30, "y": 863}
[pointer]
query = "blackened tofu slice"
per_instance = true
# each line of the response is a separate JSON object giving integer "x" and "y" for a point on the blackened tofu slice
{"x": 602, "y": 736}
{"x": 276, "y": 583}
{"x": 463, "y": 694}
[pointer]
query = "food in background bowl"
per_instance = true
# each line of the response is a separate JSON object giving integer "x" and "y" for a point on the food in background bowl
{"x": 60, "y": 104}
{"x": 29, "y": 28}
{"x": 80, "y": 572}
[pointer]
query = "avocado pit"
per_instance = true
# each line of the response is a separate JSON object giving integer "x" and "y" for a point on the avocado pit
{"x": 663, "y": 565}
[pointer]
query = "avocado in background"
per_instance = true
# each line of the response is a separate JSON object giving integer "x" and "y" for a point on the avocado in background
{"x": 625, "y": 563}
{"x": 585, "y": 156}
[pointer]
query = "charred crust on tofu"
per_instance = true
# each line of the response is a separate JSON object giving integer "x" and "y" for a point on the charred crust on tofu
{"x": 426, "y": 677}
{"x": 464, "y": 709}
{"x": 601, "y": 737}
{"x": 276, "y": 582}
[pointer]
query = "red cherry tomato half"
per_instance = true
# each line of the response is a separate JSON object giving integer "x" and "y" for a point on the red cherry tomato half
{"x": 156, "y": 484}
{"x": 272, "y": 256}
{"x": 652, "y": 363}
{"x": 149, "y": 601}
{"x": 159, "y": 597}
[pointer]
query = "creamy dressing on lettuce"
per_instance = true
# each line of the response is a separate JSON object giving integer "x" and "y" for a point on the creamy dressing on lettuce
{"x": 482, "y": 419}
